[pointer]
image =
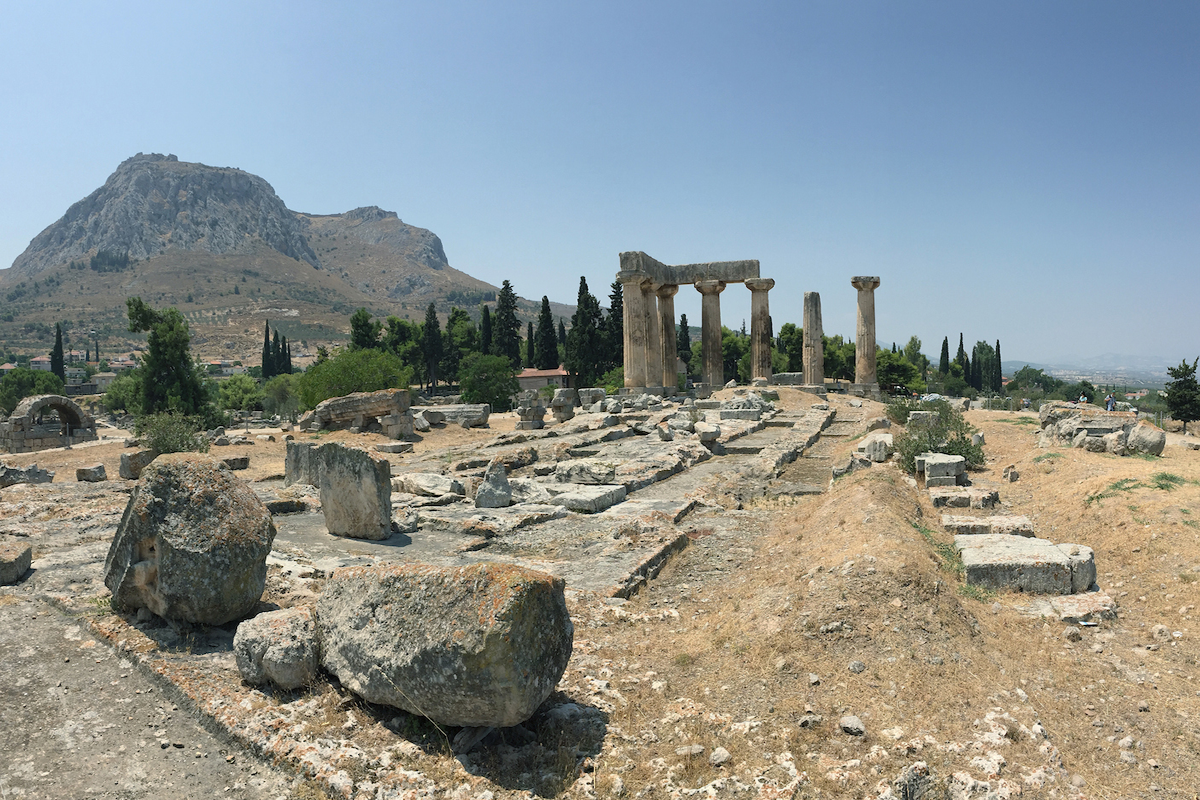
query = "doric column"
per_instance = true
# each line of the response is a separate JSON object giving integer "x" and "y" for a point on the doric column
{"x": 710, "y": 331}
{"x": 653, "y": 334}
{"x": 864, "y": 346}
{"x": 813, "y": 352}
{"x": 634, "y": 321}
{"x": 760, "y": 327}
{"x": 666, "y": 316}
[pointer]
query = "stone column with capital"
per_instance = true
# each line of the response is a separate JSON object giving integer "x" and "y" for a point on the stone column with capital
{"x": 710, "y": 331}
{"x": 813, "y": 351}
{"x": 634, "y": 323}
{"x": 864, "y": 347}
{"x": 666, "y": 315}
{"x": 653, "y": 334}
{"x": 760, "y": 328}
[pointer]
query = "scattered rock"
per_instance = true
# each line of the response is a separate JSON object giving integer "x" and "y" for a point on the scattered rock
{"x": 92, "y": 474}
{"x": 1073, "y": 634}
{"x": 237, "y": 462}
{"x": 856, "y": 667}
{"x": 356, "y": 492}
{"x": 279, "y": 647}
{"x": 494, "y": 491}
{"x": 14, "y": 561}
{"x": 133, "y": 463}
{"x": 719, "y": 756}
{"x": 851, "y": 725}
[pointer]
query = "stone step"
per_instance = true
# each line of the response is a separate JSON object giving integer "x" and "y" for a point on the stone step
{"x": 976, "y": 526}
{"x": 963, "y": 497}
{"x": 1036, "y": 566}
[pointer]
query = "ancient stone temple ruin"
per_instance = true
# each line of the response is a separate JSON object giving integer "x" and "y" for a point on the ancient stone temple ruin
{"x": 649, "y": 289}
{"x": 45, "y": 421}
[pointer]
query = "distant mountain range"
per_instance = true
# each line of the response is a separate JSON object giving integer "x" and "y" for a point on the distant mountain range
{"x": 220, "y": 245}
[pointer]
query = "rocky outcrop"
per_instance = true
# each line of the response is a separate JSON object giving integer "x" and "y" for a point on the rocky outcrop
{"x": 482, "y": 645}
{"x": 494, "y": 491}
{"x": 1090, "y": 428}
{"x": 192, "y": 544}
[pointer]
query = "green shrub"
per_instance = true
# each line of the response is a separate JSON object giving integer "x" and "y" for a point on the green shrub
{"x": 613, "y": 380}
{"x": 172, "y": 433}
{"x": 949, "y": 434}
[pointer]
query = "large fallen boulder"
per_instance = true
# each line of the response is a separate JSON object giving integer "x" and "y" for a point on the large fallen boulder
{"x": 481, "y": 645}
{"x": 1145, "y": 437}
{"x": 192, "y": 544}
{"x": 278, "y": 647}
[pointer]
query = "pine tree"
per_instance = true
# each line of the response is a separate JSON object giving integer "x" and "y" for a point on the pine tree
{"x": 529, "y": 358}
{"x": 546, "y": 339}
{"x": 998, "y": 377}
{"x": 1183, "y": 393}
{"x": 268, "y": 363}
{"x": 506, "y": 328}
{"x": 944, "y": 361}
{"x": 583, "y": 341}
{"x": 431, "y": 344}
{"x": 57, "y": 365}
{"x": 485, "y": 330}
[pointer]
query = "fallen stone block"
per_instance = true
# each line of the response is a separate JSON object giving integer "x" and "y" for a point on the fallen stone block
{"x": 963, "y": 497}
{"x": 707, "y": 431}
{"x": 754, "y": 414}
{"x": 10, "y": 476}
{"x": 494, "y": 491}
{"x": 356, "y": 492}
{"x": 428, "y": 484}
{"x": 879, "y": 423}
{"x": 467, "y": 415}
{"x": 1036, "y": 566}
{"x": 526, "y": 490}
{"x": 278, "y": 647}
{"x": 394, "y": 447}
{"x": 1147, "y": 438}
{"x": 481, "y": 645}
{"x": 586, "y": 470}
{"x": 488, "y": 522}
{"x": 590, "y": 499}
{"x": 974, "y": 526}
{"x": 877, "y": 447}
{"x": 192, "y": 544}
{"x": 940, "y": 465}
{"x": 133, "y": 463}
{"x": 237, "y": 463}
{"x": 1084, "y": 607}
{"x": 666, "y": 510}
{"x": 14, "y": 561}
{"x": 93, "y": 474}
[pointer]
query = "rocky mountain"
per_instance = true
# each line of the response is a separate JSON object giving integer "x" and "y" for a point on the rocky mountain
{"x": 220, "y": 245}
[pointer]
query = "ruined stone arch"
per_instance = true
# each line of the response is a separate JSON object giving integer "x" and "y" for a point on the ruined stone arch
{"x": 21, "y": 433}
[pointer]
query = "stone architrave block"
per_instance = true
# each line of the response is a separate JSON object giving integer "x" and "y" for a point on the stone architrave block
{"x": 133, "y": 463}
{"x": 14, "y": 561}
{"x": 93, "y": 474}
{"x": 192, "y": 544}
{"x": 356, "y": 492}
{"x": 467, "y": 415}
{"x": 278, "y": 647}
{"x": 360, "y": 409}
{"x": 475, "y": 646}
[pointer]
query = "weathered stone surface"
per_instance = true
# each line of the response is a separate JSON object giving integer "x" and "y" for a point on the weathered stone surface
{"x": 586, "y": 470}
{"x": 10, "y": 476}
{"x": 468, "y": 415}
{"x": 394, "y": 447}
{"x": 481, "y": 645}
{"x": 940, "y": 465}
{"x": 93, "y": 474}
{"x": 278, "y": 647}
{"x": 133, "y": 463}
{"x": 1145, "y": 437}
{"x": 1036, "y": 566}
{"x": 356, "y": 492}
{"x": 974, "y": 526}
{"x": 877, "y": 447}
{"x": 526, "y": 490}
{"x": 879, "y": 424}
{"x": 421, "y": 422}
{"x": 707, "y": 431}
{"x": 14, "y": 561}
{"x": 192, "y": 544}
{"x": 237, "y": 463}
{"x": 963, "y": 497}
{"x": 494, "y": 491}
{"x": 428, "y": 484}
{"x": 855, "y": 461}
{"x": 1084, "y": 607}
{"x": 361, "y": 409}
{"x": 488, "y": 522}
{"x": 673, "y": 510}
{"x": 589, "y": 499}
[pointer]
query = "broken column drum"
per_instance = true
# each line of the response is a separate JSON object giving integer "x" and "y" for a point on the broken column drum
{"x": 813, "y": 351}
{"x": 760, "y": 327}
{"x": 864, "y": 352}
{"x": 649, "y": 289}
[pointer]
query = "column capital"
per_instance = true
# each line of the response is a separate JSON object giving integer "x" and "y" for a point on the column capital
{"x": 710, "y": 287}
{"x": 865, "y": 282}
{"x": 631, "y": 276}
{"x": 760, "y": 284}
{"x": 667, "y": 290}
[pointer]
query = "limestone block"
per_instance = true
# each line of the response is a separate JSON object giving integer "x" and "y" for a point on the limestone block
{"x": 133, "y": 463}
{"x": 481, "y": 645}
{"x": 586, "y": 470}
{"x": 879, "y": 423}
{"x": 428, "y": 484}
{"x": 31, "y": 474}
{"x": 589, "y": 499}
{"x": 14, "y": 561}
{"x": 237, "y": 462}
{"x": 421, "y": 422}
{"x": 494, "y": 491}
{"x": 975, "y": 526}
{"x": 192, "y": 544}
{"x": 525, "y": 490}
{"x": 741, "y": 413}
{"x": 1145, "y": 437}
{"x": 592, "y": 395}
{"x": 278, "y": 647}
{"x": 963, "y": 497}
{"x": 937, "y": 465}
{"x": 946, "y": 480}
{"x": 93, "y": 474}
{"x": 707, "y": 431}
{"x": 356, "y": 492}
{"x": 394, "y": 447}
{"x": 467, "y": 415}
{"x": 1035, "y": 566}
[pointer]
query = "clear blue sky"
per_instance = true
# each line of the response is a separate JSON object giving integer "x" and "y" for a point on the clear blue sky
{"x": 1022, "y": 171}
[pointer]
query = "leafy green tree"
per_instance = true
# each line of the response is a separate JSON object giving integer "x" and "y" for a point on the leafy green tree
{"x": 734, "y": 347}
{"x": 125, "y": 393}
{"x": 23, "y": 382}
{"x": 584, "y": 358}
{"x": 431, "y": 345}
{"x": 506, "y": 328}
{"x": 57, "y": 364}
{"x": 949, "y": 433}
{"x": 839, "y": 357}
{"x": 351, "y": 371}
{"x": 364, "y": 331}
{"x": 791, "y": 343}
{"x": 268, "y": 356}
{"x": 683, "y": 341}
{"x": 545, "y": 339}
{"x": 485, "y": 329}
{"x": 914, "y": 356}
{"x": 171, "y": 380}
{"x": 490, "y": 379}
{"x": 241, "y": 393}
{"x": 279, "y": 395}
{"x": 172, "y": 433}
{"x": 1183, "y": 393}
{"x": 459, "y": 339}
{"x": 896, "y": 374}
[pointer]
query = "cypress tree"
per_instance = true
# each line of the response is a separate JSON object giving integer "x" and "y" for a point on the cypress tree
{"x": 268, "y": 363}
{"x": 506, "y": 328}
{"x": 562, "y": 333}
{"x": 998, "y": 383}
{"x": 545, "y": 339}
{"x": 431, "y": 344}
{"x": 287, "y": 366}
{"x": 485, "y": 330}
{"x": 57, "y": 364}
{"x": 276, "y": 355}
{"x": 683, "y": 340}
{"x": 944, "y": 361}
{"x": 961, "y": 358}
{"x": 529, "y": 358}
{"x": 614, "y": 327}
{"x": 583, "y": 341}
{"x": 87, "y": 353}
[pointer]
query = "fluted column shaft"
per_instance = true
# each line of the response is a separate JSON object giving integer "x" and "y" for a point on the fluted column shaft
{"x": 666, "y": 315}
{"x": 760, "y": 327}
{"x": 634, "y": 319}
{"x": 864, "y": 347}
{"x": 813, "y": 351}
{"x": 653, "y": 334}
{"x": 710, "y": 331}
